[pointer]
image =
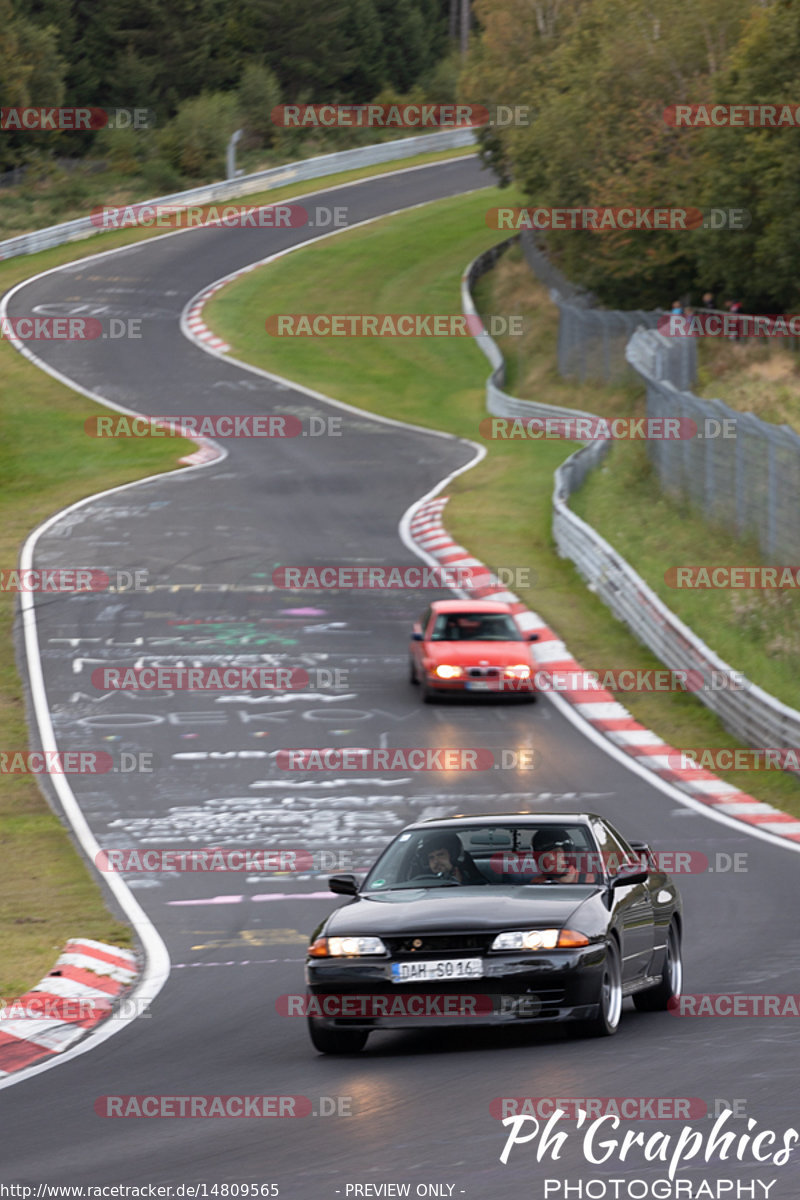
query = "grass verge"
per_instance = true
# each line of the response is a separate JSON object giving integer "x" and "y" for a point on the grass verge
{"x": 47, "y": 461}
{"x": 501, "y": 509}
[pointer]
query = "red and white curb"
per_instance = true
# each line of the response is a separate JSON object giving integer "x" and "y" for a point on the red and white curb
{"x": 86, "y": 970}
{"x": 596, "y": 705}
{"x": 198, "y": 327}
{"x": 207, "y": 450}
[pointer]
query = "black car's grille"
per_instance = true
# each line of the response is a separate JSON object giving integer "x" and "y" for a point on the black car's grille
{"x": 439, "y": 943}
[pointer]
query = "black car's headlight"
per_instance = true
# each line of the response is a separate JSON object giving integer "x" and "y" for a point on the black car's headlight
{"x": 346, "y": 947}
{"x": 539, "y": 939}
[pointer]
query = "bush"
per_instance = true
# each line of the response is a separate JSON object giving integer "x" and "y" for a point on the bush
{"x": 161, "y": 177}
{"x": 195, "y": 140}
{"x": 259, "y": 92}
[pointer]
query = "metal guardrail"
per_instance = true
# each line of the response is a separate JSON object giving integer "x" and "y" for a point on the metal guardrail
{"x": 498, "y": 402}
{"x": 747, "y": 711}
{"x": 245, "y": 185}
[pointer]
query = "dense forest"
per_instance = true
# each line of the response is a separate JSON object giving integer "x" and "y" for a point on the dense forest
{"x": 597, "y": 76}
{"x": 594, "y": 76}
{"x": 208, "y": 61}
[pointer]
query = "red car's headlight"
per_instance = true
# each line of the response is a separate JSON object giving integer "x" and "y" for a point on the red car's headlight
{"x": 447, "y": 671}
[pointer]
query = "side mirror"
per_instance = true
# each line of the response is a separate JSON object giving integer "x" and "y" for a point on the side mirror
{"x": 416, "y": 636}
{"x": 645, "y": 855}
{"x": 533, "y": 637}
{"x": 626, "y": 878}
{"x": 343, "y": 885}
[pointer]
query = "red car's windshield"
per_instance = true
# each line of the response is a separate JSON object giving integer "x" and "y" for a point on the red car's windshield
{"x": 475, "y": 627}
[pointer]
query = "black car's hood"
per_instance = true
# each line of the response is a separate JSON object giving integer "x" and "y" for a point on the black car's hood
{"x": 448, "y": 909}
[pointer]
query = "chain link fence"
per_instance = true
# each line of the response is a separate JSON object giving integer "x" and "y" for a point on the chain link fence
{"x": 742, "y": 473}
{"x": 591, "y": 340}
{"x": 747, "y": 711}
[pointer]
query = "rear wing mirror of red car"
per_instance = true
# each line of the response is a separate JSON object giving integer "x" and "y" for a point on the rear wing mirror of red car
{"x": 533, "y": 637}
{"x": 416, "y": 636}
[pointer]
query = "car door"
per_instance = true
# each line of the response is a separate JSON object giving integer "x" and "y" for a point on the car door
{"x": 632, "y": 904}
{"x": 418, "y": 648}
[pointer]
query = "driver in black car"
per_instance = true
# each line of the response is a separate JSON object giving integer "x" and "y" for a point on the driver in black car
{"x": 447, "y": 858}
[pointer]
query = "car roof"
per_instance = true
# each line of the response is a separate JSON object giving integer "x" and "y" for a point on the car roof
{"x": 519, "y": 818}
{"x": 469, "y": 606}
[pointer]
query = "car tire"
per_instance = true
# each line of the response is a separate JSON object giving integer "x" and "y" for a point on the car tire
{"x": 668, "y": 988}
{"x": 609, "y": 1008}
{"x": 412, "y": 672}
{"x": 335, "y": 1041}
{"x": 428, "y": 694}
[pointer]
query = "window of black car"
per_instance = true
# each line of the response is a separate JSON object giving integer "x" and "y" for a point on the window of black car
{"x": 491, "y": 854}
{"x": 614, "y": 850}
{"x": 475, "y": 627}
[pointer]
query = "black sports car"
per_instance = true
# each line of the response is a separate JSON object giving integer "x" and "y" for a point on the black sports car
{"x": 501, "y": 919}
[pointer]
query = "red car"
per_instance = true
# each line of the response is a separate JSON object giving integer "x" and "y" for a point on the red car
{"x": 471, "y": 646}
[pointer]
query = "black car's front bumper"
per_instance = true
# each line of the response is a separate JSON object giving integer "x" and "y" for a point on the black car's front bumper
{"x": 557, "y": 985}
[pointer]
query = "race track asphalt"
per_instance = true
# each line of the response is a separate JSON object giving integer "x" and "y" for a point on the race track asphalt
{"x": 419, "y": 1101}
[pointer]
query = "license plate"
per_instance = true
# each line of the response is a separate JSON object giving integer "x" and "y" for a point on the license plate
{"x": 444, "y": 968}
{"x": 478, "y": 685}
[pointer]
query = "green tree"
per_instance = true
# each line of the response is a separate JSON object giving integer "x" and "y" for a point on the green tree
{"x": 757, "y": 170}
{"x": 258, "y": 93}
{"x": 195, "y": 140}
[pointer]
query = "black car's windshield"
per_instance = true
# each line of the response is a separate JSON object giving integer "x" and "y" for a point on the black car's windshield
{"x": 475, "y": 627}
{"x": 488, "y": 854}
